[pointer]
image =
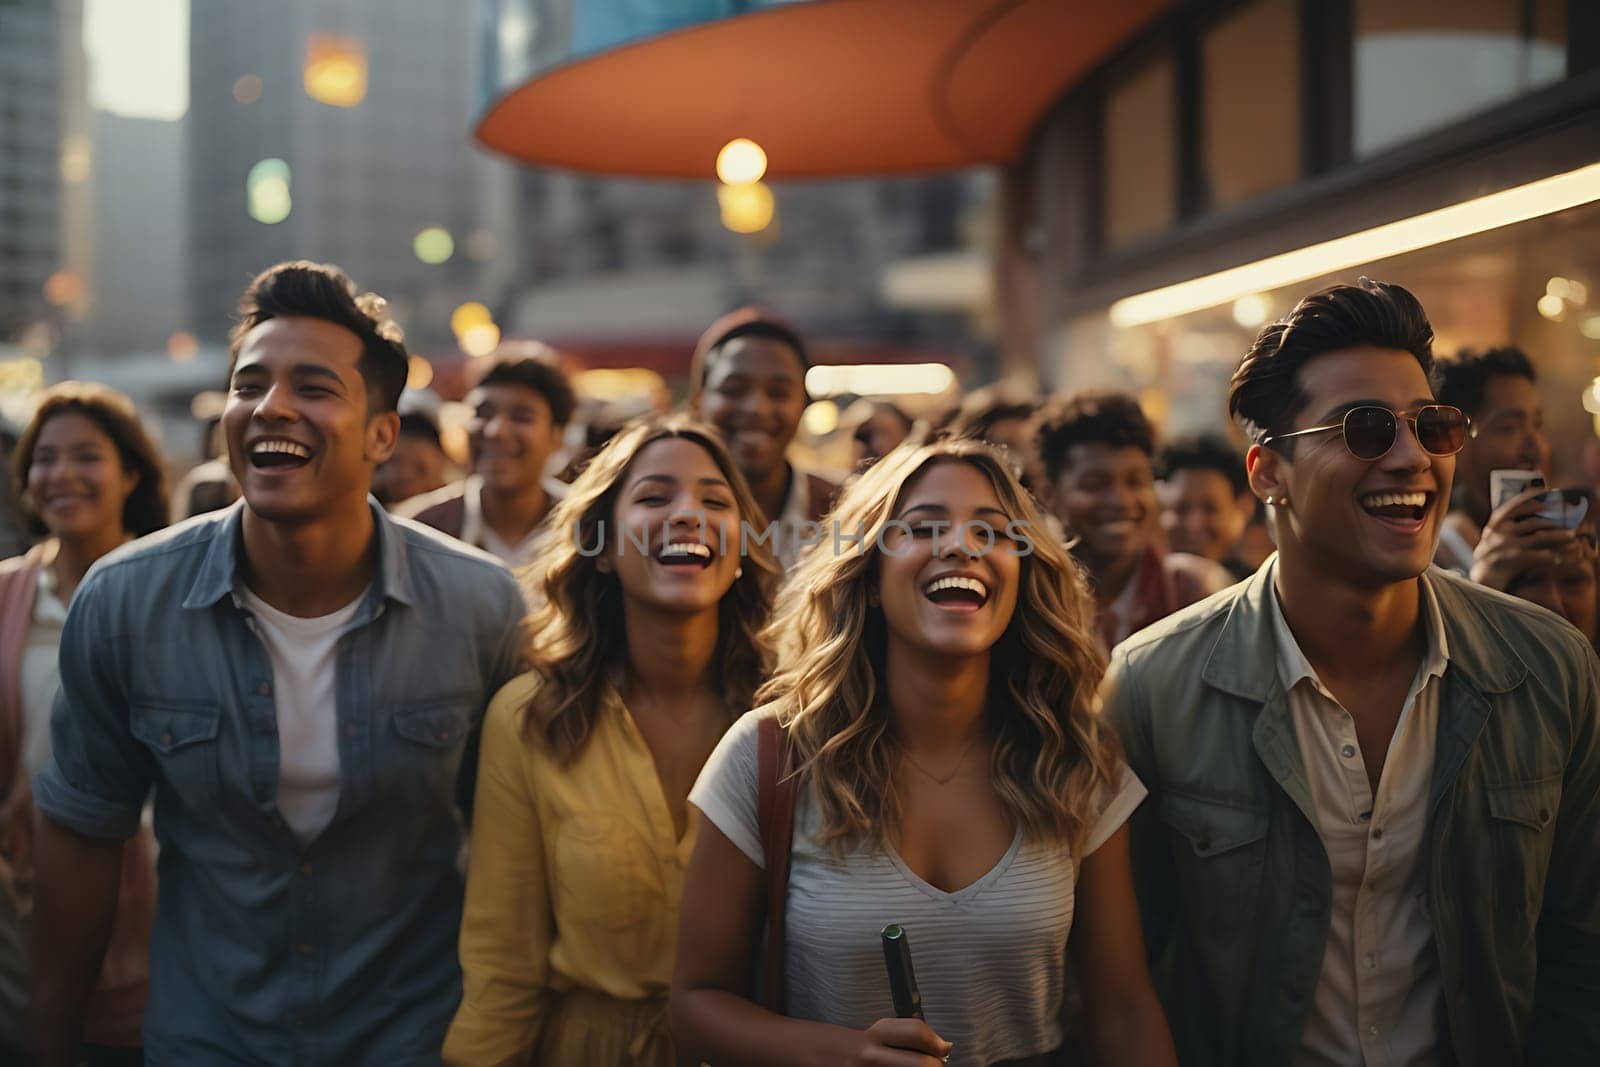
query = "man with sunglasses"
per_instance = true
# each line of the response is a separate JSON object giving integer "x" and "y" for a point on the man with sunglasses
{"x": 1373, "y": 834}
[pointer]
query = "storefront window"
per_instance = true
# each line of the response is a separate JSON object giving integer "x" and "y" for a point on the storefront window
{"x": 1421, "y": 65}
{"x": 1250, "y": 78}
{"x": 1535, "y": 285}
{"x": 1140, "y": 139}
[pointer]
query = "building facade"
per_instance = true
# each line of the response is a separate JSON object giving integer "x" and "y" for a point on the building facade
{"x": 30, "y": 188}
{"x": 1237, "y": 155}
{"x": 335, "y": 131}
{"x": 630, "y": 271}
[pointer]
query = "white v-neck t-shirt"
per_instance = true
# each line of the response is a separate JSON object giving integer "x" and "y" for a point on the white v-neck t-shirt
{"x": 305, "y": 685}
{"x": 989, "y": 958}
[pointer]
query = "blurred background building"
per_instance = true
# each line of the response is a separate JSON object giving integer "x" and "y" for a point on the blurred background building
{"x": 156, "y": 156}
{"x": 30, "y": 189}
{"x": 1231, "y": 157}
{"x": 1197, "y": 166}
{"x": 339, "y": 132}
{"x": 624, "y": 272}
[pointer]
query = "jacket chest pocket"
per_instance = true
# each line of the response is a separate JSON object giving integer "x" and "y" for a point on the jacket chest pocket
{"x": 1219, "y": 851}
{"x": 1521, "y": 831}
{"x": 608, "y": 887}
{"x": 182, "y": 740}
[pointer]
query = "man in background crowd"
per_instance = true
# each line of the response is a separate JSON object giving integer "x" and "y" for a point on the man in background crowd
{"x": 1002, "y": 415}
{"x": 1098, "y": 451}
{"x": 15, "y": 538}
{"x": 417, "y": 466}
{"x": 877, "y": 427}
{"x": 1206, "y": 503}
{"x": 748, "y": 379}
{"x": 1567, "y": 584}
{"x": 1498, "y": 390}
{"x": 209, "y": 485}
{"x": 520, "y": 410}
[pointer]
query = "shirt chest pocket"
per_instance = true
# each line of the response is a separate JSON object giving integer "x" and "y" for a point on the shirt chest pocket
{"x": 182, "y": 739}
{"x": 606, "y": 877}
{"x": 429, "y": 739}
{"x": 1219, "y": 851}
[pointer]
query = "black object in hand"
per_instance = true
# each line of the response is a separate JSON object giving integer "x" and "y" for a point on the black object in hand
{"x": 902, "y": 977}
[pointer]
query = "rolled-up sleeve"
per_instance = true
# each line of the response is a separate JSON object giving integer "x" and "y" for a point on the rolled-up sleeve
{"x": 98, "y": 775}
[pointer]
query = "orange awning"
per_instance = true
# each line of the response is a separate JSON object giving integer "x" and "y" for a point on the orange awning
{"x": 830, "y": 87}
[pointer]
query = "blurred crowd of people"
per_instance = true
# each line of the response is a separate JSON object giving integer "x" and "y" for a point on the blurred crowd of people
{"x": 305, "y": 677}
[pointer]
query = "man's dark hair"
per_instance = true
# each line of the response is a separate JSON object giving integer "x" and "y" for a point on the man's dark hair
{"x": 744, "y": 322}
{"x": 1462, "y": 381}
{"x": 323, "y": 291}
{"x": 894, "y": 409}
{"x": 1096, "y": 418}
{"x": 540, "y": 375}
{"x": 1264, "y": 394}
{"x": 415, "y": 424}
{"x": 986, "y": 407}
{"x": 1205, "y": 453}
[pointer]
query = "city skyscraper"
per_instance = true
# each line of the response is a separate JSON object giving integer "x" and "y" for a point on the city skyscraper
{"x": 333, "y": 131}
{"x": 30, "y": 188}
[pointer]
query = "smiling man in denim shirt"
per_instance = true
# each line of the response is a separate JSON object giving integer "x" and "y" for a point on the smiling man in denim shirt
{"x": 296, "y": 678}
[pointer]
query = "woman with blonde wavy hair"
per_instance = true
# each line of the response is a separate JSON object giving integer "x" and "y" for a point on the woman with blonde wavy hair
{"x": 936, "y": 685}
{"x": 646, "y": 647}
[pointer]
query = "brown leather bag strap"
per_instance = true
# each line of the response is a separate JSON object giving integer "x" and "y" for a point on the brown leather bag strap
{"x": 775, "y": 803}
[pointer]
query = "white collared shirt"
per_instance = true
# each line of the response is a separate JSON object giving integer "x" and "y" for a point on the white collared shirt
{"x": 1378, "y": 1001}
{"x": 41, "y": 675}
{"x": 792, "y": 524}
{"x": 476, "y": 532}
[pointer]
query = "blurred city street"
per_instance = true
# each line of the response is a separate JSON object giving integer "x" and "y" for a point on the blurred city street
{"x": 1056, "y": 195}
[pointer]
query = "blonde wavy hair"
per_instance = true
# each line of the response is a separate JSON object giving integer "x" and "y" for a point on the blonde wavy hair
{"x": 1053, "y": 760}
{"x": 576, "y": 637}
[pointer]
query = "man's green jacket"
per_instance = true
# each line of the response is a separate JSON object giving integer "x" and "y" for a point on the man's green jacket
{"x": 1235, "y": 887}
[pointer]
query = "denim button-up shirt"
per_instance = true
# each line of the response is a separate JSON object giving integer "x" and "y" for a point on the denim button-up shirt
{"x": 341, "y": 951}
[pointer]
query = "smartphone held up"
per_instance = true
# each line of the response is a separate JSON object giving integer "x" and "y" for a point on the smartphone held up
{"x": 1564, "y": 507}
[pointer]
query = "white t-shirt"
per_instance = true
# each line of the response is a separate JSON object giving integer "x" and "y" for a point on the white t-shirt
{"x": 305, "y": 678}
{"x": 989, "y": 958}
{"x": 41, "y": 675}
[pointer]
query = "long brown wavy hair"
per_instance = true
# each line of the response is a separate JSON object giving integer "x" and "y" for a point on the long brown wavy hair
{"x": 1053, "y": 762}
{"x": 576, "y": 635}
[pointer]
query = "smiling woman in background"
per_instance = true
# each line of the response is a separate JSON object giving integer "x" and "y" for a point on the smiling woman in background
{"x": 644, "y": 650}
{"x": 92, "y": 480}
{"x": 938, "y": 690}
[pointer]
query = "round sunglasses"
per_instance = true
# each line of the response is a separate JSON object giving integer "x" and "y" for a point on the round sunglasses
{"x": 1370, "y": 431}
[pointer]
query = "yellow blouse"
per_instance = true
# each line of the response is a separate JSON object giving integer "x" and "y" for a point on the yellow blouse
{"x": 572, "y": 897}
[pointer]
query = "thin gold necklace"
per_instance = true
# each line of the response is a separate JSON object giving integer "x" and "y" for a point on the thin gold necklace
{"x": 962, "y": 762}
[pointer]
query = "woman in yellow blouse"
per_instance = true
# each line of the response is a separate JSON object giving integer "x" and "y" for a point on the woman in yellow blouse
{"x": 644, "y": 651}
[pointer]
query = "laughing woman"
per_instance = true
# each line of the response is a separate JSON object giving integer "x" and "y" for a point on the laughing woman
{"x": 92, "y": 480}
{"x": 643, "y": 653}
{"x": 938, "y": 689}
